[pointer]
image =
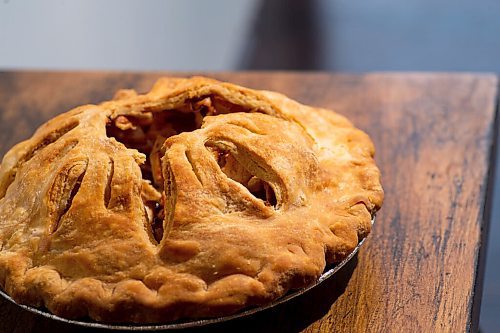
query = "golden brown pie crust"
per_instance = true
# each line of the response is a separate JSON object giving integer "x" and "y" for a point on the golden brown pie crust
{"x": 252, "y": 204}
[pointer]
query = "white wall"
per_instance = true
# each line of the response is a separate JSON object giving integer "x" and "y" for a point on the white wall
{"x": 124, "y": 34}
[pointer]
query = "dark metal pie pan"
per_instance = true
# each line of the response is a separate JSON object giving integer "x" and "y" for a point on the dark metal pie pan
{"x": 329, "y": 272}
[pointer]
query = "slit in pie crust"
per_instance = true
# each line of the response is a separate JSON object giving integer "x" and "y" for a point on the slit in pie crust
{"x": 197, "y": 199}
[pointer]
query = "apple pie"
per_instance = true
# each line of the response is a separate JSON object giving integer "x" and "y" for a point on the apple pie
{"x": 197, "y": 199}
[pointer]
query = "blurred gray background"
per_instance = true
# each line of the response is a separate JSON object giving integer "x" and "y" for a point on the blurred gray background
{"x": 124, "y": 34}
{"x": 341, "y": 35}
{"x": 193, "y": 35}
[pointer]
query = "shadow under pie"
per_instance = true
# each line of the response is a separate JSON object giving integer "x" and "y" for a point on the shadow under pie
{"x": 295, "y": 314}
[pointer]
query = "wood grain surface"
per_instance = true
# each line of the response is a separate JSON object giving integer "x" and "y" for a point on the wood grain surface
{"x": 421, "y": 268}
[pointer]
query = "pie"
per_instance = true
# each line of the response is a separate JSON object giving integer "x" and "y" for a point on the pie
{"x": 196, "y": 199}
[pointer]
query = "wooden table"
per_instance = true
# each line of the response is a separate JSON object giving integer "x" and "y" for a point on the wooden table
{"x": 421, "y": 269}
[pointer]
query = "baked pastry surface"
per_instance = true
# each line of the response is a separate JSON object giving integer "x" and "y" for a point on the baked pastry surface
{"x": 197, "y": 199}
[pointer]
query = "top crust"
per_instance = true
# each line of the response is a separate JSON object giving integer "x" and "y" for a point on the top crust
{"x": 77, "y": 233}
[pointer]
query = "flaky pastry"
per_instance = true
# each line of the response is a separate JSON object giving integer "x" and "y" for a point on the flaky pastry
{"x": 197, "y": 199}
